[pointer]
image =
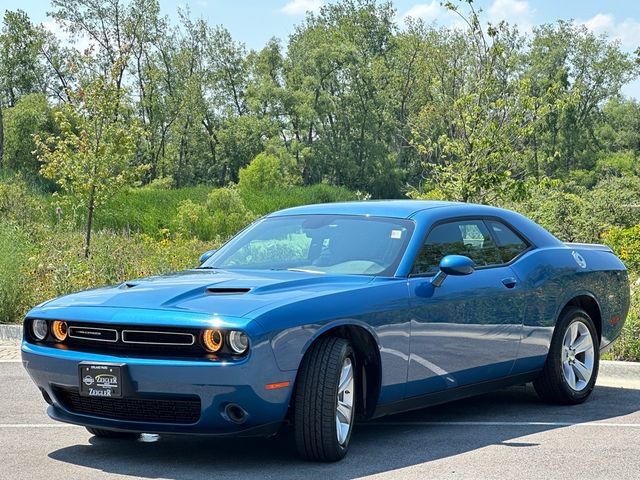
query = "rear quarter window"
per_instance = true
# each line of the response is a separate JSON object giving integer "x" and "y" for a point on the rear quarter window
{"x": 509, "y": 243}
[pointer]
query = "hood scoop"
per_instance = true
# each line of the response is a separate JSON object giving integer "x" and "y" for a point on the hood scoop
{"x": 226, "y": 290}
{"x": 128, "y": 285}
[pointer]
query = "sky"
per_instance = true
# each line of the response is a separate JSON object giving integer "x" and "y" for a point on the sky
{"x": 254, "y": 22}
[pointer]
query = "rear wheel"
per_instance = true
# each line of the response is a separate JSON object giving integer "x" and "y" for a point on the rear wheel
{"x": 571, "y": 369}
{"x": 103, "y": 433}
{"x": 325, "y": 401}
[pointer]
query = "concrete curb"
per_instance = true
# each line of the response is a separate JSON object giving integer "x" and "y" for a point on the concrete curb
{"x": 627, "y": 371}
{"x": 10, "y": 334}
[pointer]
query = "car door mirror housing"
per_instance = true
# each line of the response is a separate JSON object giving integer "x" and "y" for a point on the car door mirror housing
{"x": 206, "y": 255}
{"x": 457, "y": 265}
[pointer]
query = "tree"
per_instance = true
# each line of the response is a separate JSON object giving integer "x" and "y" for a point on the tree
{"x": 585, "y": 70}
{"x": 90, "y": 156}
{"x": 107, "y": 24}
{"x": 338, "y": 72}
{"x": 473, "y": 134}
{"x": 20, "y": 70}
{"x": 31, "y": 115}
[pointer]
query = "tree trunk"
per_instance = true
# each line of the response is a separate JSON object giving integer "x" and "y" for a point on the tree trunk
{"x": 87, "y": 238}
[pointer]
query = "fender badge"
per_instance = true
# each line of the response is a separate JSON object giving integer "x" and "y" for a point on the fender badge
{"x": 582, "y": 263}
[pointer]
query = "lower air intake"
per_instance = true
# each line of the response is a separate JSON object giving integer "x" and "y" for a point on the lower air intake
{"x": 182, "y": 410}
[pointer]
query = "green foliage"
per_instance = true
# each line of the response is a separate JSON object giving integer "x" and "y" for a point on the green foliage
{"x": 627, "y": 346}
{"x": 59, "y": 267}
{"x": 228, "y": 212}
{"x": 146, "y": 210}
{"x": 268, "y": 171}
{"x": 89, "y": 157}
{"x": 17, "y": 205}
{"x": 263, "y": 202}
{"x": 223, "y": 214}
{"x": 353, "y": 99}
{"x": 193, "y": 221}
{"x": 21, "y": 72}
{"x": 563, "y": 210}
{"x": 625, "y": 242}
{"x": 31, "y": 115}
{"x": 14, "y": 248}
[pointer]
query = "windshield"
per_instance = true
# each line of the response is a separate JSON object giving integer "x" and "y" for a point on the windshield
{"x": 339, "y": 244}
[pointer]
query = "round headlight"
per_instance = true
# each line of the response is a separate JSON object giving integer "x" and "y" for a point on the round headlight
{"x": 39, "y": 328}
{"x": 59, "y": 330}
{"x": 238, "y": 341}
{"x": 212, "y": 340}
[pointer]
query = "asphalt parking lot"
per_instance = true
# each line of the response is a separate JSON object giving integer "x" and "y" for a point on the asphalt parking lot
{"x": 507, "y": 434}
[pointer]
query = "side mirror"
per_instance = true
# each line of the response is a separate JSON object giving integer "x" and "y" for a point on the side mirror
{"x": 206, "y": 255}
{"x": 453, "y": 265}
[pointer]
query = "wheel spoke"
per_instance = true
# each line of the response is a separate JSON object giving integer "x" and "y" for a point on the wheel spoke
{"x": 582, "y": 344}
{"x": 581, "y": 370}
{"x": 574, "y": 332}
{"x": 344, "y": 406}
{"x": 568, "y": 338}
{"x": 569, "y": 375}
{"x": 345, "y": 378}
{"x": 344, "y": 412}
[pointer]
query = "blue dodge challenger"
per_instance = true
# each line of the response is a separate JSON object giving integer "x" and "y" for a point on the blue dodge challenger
{"x": 322, "y": 315}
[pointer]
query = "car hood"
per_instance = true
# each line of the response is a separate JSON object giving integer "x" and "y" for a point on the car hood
{"x": 218, "y": 292}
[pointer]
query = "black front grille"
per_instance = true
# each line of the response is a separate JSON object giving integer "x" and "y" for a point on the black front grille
{"x": 158, "y": 410}
{"x": 142, "y": 341}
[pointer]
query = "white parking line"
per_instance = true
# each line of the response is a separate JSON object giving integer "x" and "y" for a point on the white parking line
{"x": 37, "y": 425}
{"x": 505, "y": 424}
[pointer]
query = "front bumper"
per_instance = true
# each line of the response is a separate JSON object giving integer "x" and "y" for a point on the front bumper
{"x": 216, "y": 384}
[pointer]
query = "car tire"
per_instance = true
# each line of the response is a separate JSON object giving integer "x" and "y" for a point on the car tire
{"x": 103, "y": 433}
{"x": 322, "y": 422}
{"x": 562, "y": 380}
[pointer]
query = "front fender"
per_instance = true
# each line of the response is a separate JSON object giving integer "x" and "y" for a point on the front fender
{"x": 290, "y": 346}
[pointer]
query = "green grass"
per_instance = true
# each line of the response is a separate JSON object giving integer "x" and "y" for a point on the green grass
{"x": 263, "y": 202}
{"x": 146, "y": 210}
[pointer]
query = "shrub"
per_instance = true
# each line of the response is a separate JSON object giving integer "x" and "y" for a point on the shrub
{"x": 14, "y": 248}
{"x": 269, "y": 170}
{"x": 60, "y": 268}
{"x": 228, "y": 212}
{"x": 17, "y": 205}
{"x": 627, "y": 346}
{"x": 615, "y": 201}
{"x": 264, "y": 202}
{"x": 625, "y": 242}
{"x": 193, "y": 220}
{"x": 564, "y": 210}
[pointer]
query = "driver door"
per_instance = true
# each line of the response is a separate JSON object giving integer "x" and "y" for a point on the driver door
{"x": 468, "y": 329}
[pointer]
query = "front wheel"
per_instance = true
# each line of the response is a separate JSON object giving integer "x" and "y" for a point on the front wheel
{"x": 325, "y": 401}
{"x": 571, "y": 369}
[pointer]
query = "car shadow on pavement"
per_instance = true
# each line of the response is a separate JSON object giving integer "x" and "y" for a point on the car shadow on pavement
{"x": 382, "y": 445}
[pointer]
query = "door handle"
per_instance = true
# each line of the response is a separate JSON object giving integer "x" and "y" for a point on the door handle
{"x": 509, "y": 282}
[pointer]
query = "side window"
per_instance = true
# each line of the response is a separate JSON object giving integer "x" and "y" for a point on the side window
{"x": 509, "y": 242}
{"x": 465, "y": 237}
